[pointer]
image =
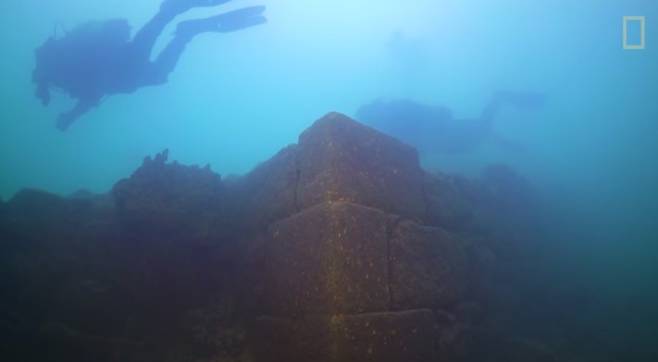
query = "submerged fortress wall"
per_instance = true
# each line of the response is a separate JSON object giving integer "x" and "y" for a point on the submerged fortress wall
{"x": 339, "y": 248}
{"x": 347, "y": 269}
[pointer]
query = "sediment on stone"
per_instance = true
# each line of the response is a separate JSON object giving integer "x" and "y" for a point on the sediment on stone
{"x": 330, "y": 258}
{"x": 339, "y": 248}
{"x": 377, "y": 337}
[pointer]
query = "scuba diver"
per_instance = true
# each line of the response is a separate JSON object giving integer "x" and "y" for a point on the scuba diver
{"x": 98, "y": 59}
{"x": 433, "y": 129}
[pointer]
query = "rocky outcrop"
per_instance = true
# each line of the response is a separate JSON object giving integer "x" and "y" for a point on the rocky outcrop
{"x": 360, "y": 232}
{"x": 336, "y": 159}
{"x": 329, "y": 259}
{"x": 339, "y": 248}
{"x": 341, "y": 160}
{"x": 428, "y": 266}
{"x": 170, "y": 197}
{"x": 268, "y": 193}
{"x": 108, "y": 277}
{"x": 392, "y": 336}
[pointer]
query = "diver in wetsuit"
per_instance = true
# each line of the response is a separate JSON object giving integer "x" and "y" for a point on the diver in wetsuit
{"x": 98, "y": 59}
{"x": 433, "y": 129}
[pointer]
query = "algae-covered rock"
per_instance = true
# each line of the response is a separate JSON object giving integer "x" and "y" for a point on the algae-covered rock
{"x": 170, "y": 198}
{"x": 341, "y": 160}
{"x": 377, "y": 337}
{"x": 336, "y": 159}
{"x": 428, "y": 267}
{"x": 269, "y": 192}
{"x": 486, "y": 345}
{"x": 330, "y": 258}
{"x": 339, "y": 248}
{"x": 36, "y": 212}
{"x": 451, "y": 202}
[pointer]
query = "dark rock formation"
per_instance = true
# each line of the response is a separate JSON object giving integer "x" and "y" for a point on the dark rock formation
{"x": 341, "y": 160}
{"x": 339, "y": 248}
{"x": 173, "y": 198}
{"x": 336, "y": 160}
{"x": 428, "y": 267}
{"x": 377, "y": 237}
{"x": 328, "y": 259}
{"x": 391, "y": 336}
{"x": 268, "y": 193}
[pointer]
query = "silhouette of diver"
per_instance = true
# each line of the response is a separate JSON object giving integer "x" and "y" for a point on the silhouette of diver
{"x": 433, "y": 129}
{"x": 99, "y": 59}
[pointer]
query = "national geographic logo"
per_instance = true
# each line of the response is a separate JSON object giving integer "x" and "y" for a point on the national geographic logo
{"x": 634, "y": 32}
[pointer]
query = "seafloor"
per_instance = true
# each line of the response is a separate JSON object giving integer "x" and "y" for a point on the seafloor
{"x": 339, "y": 248}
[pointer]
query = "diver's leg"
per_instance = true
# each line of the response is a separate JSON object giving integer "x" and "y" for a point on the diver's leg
{"x": 146, "y": 37}
{"x": 158, "y": 70}
{"x": 66, "y": 119}
{"x": 224, "y": 23}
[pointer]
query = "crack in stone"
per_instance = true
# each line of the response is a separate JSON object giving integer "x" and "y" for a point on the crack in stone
{"x": 390, "y": 229}
{"x": 426, "y": 201}
{"x": 298, "y": 177}
{"x": 309, "y": 316}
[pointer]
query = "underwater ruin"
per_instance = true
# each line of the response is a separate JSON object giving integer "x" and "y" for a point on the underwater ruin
{"x": 338, "y": 248}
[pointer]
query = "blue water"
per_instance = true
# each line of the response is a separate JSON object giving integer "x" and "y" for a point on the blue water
{"x": 235, "y": 99}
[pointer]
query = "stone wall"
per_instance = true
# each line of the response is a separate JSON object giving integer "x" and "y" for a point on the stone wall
{"x": 339, "y": 248}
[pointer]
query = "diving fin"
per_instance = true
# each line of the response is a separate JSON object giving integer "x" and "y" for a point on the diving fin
{"x": 224, "y": 23}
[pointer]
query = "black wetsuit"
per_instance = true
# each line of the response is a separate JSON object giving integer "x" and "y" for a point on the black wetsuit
{"x": 124, "y": 67}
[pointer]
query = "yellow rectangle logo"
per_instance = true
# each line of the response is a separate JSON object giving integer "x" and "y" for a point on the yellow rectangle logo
{"x": 635, "y": 46}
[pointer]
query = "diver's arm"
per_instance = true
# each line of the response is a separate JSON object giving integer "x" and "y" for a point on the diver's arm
{"x": 66, "y": 119}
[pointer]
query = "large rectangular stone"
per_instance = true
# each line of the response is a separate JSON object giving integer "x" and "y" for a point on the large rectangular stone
{"x": 428, "y": 267}
{"x": 342, "y": 160}
{"x": 375, "y": 337}
{"x": 331, "y": 258}
{"x": 266, "y": 194}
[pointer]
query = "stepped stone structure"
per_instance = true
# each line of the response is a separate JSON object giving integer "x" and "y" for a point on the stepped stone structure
{"x": 348, "y": 267}
{"x": 340, "y": 248}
